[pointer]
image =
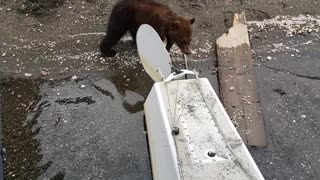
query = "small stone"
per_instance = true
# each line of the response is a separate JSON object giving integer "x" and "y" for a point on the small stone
{"x": 269, "y": 58}
{"x": 292, "y": 55}
{"x": 44, "y": 73}
{"x": 27, "y": 74}
{"x": 78, "y": 41}
{"x": 82, "y": 86}
{"x": 231, "y": 88}
{"x": 303, "y": 116}
{"x": 294, "y": 121}
{"x": 74, "y": 77}
{"x": 3, "y": 54}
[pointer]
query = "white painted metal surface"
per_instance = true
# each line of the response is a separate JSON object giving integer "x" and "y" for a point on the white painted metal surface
{"x": 193, "y": 107}
{"x": 155, "y": 62}
{"x": 207, "y": 145}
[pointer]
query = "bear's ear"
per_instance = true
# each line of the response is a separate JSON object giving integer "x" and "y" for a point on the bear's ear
{"x": 192, "y": 20}
{"x": 174, "y": 25}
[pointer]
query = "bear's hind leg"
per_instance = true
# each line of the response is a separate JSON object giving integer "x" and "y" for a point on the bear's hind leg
{"x": 111, "y": 39}
{"x": 114, "y": 33}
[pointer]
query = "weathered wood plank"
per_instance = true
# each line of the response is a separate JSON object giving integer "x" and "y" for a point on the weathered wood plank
{"x": 238, "y": 83}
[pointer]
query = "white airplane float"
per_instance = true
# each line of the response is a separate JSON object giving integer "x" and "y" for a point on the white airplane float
{"x": 190, "y": 135}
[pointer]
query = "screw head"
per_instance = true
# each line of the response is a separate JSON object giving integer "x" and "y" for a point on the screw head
{"x": 211, "y": 154}
{"x": 175, "y": 130}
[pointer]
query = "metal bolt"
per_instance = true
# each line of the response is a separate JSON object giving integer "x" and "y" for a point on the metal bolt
{"x": 175, "y": 131}
{"x": 211, "y": 154}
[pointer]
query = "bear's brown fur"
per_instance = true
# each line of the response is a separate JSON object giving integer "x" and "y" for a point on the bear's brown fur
{"x": 128, "y": 15}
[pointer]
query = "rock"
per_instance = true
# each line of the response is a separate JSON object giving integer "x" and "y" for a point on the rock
{"x": 74, "y": 77}
{"x": 27, "y": 74}
{"x": 269, "y": 58}
{"x": 44, "y": 73}
{"x": 231, "y": 88}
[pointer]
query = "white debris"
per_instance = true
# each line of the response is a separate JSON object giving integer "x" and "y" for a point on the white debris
{"x": 303, "y": 116}
{"x": 44, "y": 73}
{"x": 82, "y": 86}
{"x": 291, "y": 24}
{"x": 27, "y": 74}
{"x": 269, "y": 58}
{"x": 74, "y": 77}
{"x": 126, "y": 38}
{"x": 3, "y": 54}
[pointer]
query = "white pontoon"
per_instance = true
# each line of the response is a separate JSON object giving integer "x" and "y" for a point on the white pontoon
{"x": 190, "y": 135}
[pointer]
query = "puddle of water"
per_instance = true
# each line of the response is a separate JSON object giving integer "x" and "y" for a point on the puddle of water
{"x": 73, "y": 129}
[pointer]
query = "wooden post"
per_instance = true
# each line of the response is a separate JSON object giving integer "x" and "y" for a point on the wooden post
{"x": 238, "y": 83}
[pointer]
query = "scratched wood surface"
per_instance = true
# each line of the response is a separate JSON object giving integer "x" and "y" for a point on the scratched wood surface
{"x": 238, "y": 83}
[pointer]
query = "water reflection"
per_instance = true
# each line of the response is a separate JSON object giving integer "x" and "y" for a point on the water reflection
{"x": 81, "y": 129}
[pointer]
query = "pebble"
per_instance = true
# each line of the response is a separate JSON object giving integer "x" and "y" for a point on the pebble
{"x": 3, "y": 54}
{"x": 269, "y": 58}
{"x": 27, "y": 74}
{"x": 74, "y": 77}
{"x": 231, "y": 88}
{"x": 303, "y": 116}
{"x": 82, "y": 86}
{"x": 44, "y": 73}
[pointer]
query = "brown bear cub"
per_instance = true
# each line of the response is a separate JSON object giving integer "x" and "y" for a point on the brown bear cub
{"x": 128, "y": 15}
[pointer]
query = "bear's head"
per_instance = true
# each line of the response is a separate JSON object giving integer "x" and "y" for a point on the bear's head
{"x": 180, "y": 32}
